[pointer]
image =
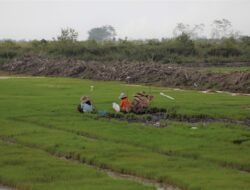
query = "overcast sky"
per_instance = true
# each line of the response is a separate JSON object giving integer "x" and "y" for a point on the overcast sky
{"x": 36, "y": 19}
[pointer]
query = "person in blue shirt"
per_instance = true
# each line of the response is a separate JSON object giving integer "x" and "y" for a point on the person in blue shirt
{"x": 85, "y": 104}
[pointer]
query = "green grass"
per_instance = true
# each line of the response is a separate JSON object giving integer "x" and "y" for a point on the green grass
{"x": 225, "y": 69}
{"x": 39, "y": 116}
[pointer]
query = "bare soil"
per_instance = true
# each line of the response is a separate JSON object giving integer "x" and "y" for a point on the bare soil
{"x": 154, "y": 73}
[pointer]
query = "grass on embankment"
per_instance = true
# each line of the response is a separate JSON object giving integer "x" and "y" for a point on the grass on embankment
{"x": 229, "y": 69}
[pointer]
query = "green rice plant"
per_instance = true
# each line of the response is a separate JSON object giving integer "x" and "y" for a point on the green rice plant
{"x": 39, "y": 116}
{"x": 25, "y": 168}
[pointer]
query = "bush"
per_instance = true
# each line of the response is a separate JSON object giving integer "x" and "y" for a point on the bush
{"x": 9, "y": 50}
{"x": 177, "y": 50}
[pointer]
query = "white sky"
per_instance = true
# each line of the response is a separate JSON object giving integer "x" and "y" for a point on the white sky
{"x": 36, "y": 19}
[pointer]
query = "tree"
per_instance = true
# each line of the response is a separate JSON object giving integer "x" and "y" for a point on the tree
{"x": 221, "y": 28}
{"x": 197, "y": 31}
{"x": 102, "y": 33}
{"x": 193, "y": 32}
{"x": 180, "y": 29}
{"x": 68, "y": 34}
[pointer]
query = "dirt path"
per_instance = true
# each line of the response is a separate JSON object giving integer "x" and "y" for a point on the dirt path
{"x": 16, "y": 77}
{"x": 5, "y": 188}
{"x": 145, "y": 73}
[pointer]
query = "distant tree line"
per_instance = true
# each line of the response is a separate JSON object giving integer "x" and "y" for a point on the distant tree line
{"x": 187, "y": 45}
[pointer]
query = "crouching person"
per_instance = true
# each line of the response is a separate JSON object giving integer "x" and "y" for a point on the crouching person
{"x": 125, "y": 105}
{"x": 85, "y": 105}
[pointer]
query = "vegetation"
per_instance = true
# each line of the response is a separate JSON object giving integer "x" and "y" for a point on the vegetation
{"x": 181, "y": 49}
{"x": 68, "y": 34}
{"x": 189, "y": 45}
{"x": 225, "y": 69}
{"x": 190, "y": 155}
{"x": 102, "y": 33}
{"x": 26, "y": 168}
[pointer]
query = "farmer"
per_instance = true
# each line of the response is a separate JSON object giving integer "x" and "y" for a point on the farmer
{"x": 85, "y": 104}
{"x": 125, "y": 104}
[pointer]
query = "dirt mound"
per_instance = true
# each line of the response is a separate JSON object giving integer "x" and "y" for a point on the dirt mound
{"x": 158, "y": 74}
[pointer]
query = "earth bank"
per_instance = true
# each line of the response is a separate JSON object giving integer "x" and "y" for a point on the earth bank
{"x": 154, "y": 73}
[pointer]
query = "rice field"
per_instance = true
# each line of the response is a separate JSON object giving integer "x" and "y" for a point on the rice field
{"x": 46, "y": 144}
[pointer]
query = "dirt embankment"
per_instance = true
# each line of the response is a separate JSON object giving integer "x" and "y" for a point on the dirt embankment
{"x": 157, "y": 74}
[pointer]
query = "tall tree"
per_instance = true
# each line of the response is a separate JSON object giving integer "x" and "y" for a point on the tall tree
{"x": 197, "y": 31}
{"x": 180, "y": 29}
{"x": 193, "y": 32}
{"x": 68, "y": 34}
{"x": 102, "y": 33}
{"x": 221, "y": 28}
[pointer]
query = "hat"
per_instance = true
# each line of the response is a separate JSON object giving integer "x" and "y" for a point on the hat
{"x": 122, "y": 95}
{"x": 84, "y": 98}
